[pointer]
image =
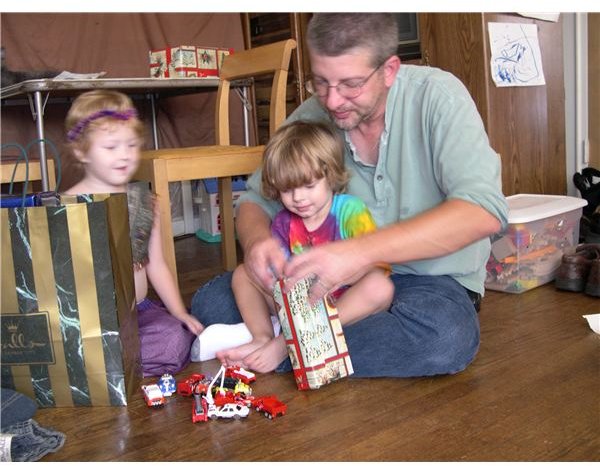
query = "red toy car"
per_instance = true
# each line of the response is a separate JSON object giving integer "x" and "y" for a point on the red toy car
{"x": 240, "y": 373}
{"x": 270, "y": 405}
{"x": 199, "y": 409}
{"x": 186, "y": 388}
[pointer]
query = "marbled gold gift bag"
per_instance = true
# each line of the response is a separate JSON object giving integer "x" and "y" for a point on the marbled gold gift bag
{"x": 68, "y": 317}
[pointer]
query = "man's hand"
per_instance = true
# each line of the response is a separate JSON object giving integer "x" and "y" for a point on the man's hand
{"x": 264, "y": 261}
{"x": 328, "y": 266}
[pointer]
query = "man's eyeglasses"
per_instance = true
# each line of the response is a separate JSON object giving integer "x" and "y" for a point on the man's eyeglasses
{"x": 348, "y": 89}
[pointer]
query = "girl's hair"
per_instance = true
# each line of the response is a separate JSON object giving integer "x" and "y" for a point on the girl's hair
{"x": 334, "y": 34}
{"x": 93, "y": 108}
{"x": 300, "y": 153}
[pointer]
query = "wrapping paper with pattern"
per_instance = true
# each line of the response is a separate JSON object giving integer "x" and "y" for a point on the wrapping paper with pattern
{"x": 314, "y": 337}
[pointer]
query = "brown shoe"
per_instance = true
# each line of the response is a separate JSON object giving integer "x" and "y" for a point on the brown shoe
{"x": 592, "y": 286}
{"x": 572, "y": 275}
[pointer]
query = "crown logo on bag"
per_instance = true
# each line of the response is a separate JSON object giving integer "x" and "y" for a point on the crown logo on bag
{"x": 12, "y": 327}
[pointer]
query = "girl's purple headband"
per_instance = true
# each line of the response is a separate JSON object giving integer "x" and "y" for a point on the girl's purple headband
{"x": 76, "y": 130}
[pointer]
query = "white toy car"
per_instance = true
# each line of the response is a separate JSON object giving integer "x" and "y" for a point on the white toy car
{"x": 228, "y": 411}
{"x": 153, "y": 395}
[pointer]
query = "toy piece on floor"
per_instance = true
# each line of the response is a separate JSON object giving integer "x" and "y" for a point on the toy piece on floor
{"x": 167, "y": 384}
{"x": 153, "y": 395}
{"x": 234, "y": 410}
{"x": 228, "y": 411}
{"x": 313, "y": 335}
{"x": 270, "y": 406}
{"x": 240, "y": 373}
{"x": 199, "y": 407}
{"x": 186, "y": 387}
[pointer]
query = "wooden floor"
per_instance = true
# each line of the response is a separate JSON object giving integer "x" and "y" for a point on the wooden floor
{"x": 532, "y": 393}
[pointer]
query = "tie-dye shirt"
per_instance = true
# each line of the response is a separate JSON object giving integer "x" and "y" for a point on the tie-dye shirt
{"x": 348, "y": 217}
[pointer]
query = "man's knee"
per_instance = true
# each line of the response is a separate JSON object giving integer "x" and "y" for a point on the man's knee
{"x": 214, "y": 303}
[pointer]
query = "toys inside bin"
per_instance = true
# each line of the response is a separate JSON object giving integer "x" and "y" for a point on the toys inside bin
{"x": 541, "y": 229}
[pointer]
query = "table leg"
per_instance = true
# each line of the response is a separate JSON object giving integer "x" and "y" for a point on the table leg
{"x": 39, "y": 121}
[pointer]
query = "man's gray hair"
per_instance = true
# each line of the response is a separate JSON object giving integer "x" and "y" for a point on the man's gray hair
{"x": 334, "y": 34}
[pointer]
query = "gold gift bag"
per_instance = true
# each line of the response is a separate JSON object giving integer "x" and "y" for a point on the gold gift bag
{"x": 68, "y": 317}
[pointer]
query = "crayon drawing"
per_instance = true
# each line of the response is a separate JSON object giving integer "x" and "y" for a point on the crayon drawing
{"x": 515, "y": 55}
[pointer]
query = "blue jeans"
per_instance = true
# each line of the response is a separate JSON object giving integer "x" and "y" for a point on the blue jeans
{"x": 431, "y": 327}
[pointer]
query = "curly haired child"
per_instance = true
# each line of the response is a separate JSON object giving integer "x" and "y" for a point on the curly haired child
{"x": 303, "y": 168}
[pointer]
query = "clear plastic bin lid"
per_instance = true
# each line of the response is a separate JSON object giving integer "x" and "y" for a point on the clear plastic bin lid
{"x": 525, "y": 208}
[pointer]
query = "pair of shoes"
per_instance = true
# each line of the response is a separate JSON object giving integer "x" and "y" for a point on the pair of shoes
{"x": 580, "y": 271}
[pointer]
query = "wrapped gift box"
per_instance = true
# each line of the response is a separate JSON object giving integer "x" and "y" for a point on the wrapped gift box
{"x": 314, "y": 337}
{"x": 186, "y": 61}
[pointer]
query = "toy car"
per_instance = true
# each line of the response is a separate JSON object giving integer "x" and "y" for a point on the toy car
{"x": 186, "y": 388}
{"x": 167, "y": 384}
{"x": 199, "y": 408}
{"x": 270, "y": 405}
{"x": 240, "y": 373}
{"x": 153, "y": 395}
{"x": 228, "y": 411}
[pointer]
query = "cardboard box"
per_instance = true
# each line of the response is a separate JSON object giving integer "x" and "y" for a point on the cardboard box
{"x": 541, "y": 229}
{"x": 187, "y": 61}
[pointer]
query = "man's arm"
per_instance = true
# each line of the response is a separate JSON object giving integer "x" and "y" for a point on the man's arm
{"x": 437, "y": 232}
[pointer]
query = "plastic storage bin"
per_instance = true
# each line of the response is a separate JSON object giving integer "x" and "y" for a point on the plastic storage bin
{"x": 541, "y": 228}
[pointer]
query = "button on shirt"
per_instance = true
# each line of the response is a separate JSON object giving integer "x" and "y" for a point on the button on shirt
{"x": 434, "y": 147}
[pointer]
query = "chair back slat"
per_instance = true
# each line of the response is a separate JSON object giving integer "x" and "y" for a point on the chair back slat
{"x": 272, "y": 58}
{"x": 260, "y": 60}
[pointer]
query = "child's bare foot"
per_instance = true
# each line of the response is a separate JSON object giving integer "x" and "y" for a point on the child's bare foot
{"x": 235, "y": 356}
{"x": 267, "y": 357}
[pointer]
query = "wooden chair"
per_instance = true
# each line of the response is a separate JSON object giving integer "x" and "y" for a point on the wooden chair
{"x": 35, "y": 172}
{"x": 223, "y": 160}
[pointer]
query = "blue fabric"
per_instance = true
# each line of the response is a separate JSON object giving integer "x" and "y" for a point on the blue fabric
{"x": 431, "y": 327}
{"x": 16, "y": 407}
{"x": 30, "y": 441}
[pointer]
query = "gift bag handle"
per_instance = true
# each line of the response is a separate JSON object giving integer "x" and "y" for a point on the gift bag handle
{"x": 22, "y": 155}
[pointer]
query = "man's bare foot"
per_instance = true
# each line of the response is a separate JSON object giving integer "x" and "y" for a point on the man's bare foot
{"x": 235, "y": 356}
{"x": 267, "y": 357}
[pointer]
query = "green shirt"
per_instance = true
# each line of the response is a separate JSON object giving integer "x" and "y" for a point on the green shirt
{"x": 434, "y": 147}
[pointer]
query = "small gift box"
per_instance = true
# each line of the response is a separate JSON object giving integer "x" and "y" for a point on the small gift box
{"x": 187, "y": 61}
{"x": 314, "y": 337}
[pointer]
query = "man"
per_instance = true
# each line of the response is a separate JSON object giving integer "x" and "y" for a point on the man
{"x": 421, "y": 161}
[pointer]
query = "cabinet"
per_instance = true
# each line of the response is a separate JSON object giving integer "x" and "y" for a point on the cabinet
{"x": 526, "y": 125}
{"x": 266, "y": 28}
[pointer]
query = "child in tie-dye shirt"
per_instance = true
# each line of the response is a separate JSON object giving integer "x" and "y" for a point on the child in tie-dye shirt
{"x": 303, "y": 168}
